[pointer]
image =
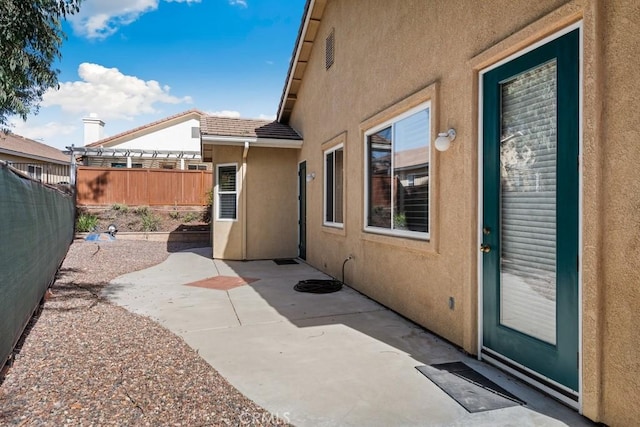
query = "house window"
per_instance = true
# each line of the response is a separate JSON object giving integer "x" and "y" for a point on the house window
{"x": 124, "y": 165}
{"x": 397, "y": 175}
{"x": 35, "y": 172}
{"x": 330, "y": 49}
{"x": 167, "y": 165}
{"x": 197, "y": 167}
{"x": 226, "y": 188}
{"x": 333, "y": 186}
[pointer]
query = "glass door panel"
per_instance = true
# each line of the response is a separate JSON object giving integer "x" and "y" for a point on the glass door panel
{"x": 528, "y": 158}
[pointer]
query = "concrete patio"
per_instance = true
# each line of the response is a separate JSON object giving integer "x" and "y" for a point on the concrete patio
{"x": 314, "y": 359}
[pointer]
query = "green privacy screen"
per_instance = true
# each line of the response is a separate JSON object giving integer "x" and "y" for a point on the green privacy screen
{"x": 36, "y": 229}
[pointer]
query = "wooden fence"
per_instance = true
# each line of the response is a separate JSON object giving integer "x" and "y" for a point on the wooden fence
{"x": 137, "y": 187}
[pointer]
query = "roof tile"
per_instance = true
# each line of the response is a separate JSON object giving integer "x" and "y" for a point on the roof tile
{"x": 30, "y": 148}
{"x": 235, "y": 127}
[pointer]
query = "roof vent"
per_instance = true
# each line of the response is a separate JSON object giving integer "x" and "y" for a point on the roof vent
{"x": 330, "y": 47}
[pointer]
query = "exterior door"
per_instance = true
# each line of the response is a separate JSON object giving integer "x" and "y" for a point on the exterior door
{"x": 530, "y": 214}
{"x": 302, "y": 210}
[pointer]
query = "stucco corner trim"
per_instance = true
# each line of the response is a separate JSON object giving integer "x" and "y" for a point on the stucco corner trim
{"x": 398, "y": 107}
{"x": 530, "y": 34}
{"x": 341, "y": 138}
{"x": 336, "y": 231}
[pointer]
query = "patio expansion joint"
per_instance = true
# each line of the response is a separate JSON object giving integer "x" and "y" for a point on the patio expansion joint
{"x": 234, "y": 308}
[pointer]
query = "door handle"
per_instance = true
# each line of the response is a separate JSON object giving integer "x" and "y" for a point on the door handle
{"x": 485, "y": 248}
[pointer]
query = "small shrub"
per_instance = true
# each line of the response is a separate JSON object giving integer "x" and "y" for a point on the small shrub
{"x": 86, "y": 223}
{"x": 150, "y": 222}
{"x": 190, "y": 216}
{"x": 209, "y": 197}
{"x": 206, "y": 215}
{"x": 174, "y": 215}
{"x": 141, "y": 210}
{"x": 400, "y": 221}
{"x": 120, "y": 207}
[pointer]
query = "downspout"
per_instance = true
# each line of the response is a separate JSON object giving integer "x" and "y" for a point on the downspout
{"x": 244, "y": 200}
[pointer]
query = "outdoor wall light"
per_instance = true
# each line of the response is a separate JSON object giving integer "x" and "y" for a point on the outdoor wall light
{"x": 311, "y": 176}
{"x": 444, "y": 140}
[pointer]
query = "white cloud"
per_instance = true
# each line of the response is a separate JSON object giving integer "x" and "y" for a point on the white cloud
{"x": 98, "y": 19}
{"x": 241, "y": 3}
{"x": 267, "y": 116}
{"x": 109, "y": 93}
{"x": 42, "y": 132}
{"x": 225, "y": 113}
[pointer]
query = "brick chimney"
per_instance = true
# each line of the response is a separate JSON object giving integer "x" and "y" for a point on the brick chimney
{"x": 93, "y": 129}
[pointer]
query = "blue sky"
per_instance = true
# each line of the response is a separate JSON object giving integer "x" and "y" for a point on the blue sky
{"x": 136, "y": 61}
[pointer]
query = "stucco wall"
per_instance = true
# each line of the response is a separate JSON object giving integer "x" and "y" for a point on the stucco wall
{"x": 387, "y": 51}
{"x": 393, "y": 51}
{"x": 266, "y": 225}
{"x": 620, "y": 219}
{"x": 227, "y": 235}
{"x": 271, "y": 187}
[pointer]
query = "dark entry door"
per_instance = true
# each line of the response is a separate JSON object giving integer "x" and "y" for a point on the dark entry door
{"x": 302, "y": 210}
{"x": 530, "y": 212}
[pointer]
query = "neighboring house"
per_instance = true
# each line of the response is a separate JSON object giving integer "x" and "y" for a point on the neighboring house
{"x": 526, "y": 249}
{"x": 169, "y": 143}
{"x": 40, "y": 161}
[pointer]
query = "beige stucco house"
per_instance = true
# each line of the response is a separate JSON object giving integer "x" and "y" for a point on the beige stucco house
{"x": 40, "y": 161}
{"x": 519, "y": 241}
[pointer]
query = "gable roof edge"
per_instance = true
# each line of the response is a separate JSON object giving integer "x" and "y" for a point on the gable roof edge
{"x": 132, "y": 132}
{"x": 309, "y": 10}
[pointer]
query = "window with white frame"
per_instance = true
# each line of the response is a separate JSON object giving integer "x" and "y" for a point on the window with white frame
{"x": 193, "y": 167}
{"x": 35, "y": 172}
{"x": 227, "y": 191}
{"x": 333, "y": 186}
{"x": 397, "y": 174}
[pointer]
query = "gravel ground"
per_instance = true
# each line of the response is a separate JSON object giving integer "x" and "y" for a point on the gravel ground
{"x": 88, "y": 362}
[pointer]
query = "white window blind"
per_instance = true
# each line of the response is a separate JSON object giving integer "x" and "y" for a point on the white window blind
{"x": 227, "y": 192}
{"x": 333, "y": 197}
{"x": 528, "y": 153}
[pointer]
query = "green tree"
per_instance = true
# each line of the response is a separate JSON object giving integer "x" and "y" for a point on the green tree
{"x": 30, "y": 38}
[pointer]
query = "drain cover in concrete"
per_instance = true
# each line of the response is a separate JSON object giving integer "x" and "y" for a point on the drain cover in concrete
{"x": 472, "y": 390}
{"x": 222, "y": 283}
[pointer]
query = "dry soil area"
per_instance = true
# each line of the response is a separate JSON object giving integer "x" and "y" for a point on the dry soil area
{"x": 87, "y": 362}
{"x": 145, "y": 218}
